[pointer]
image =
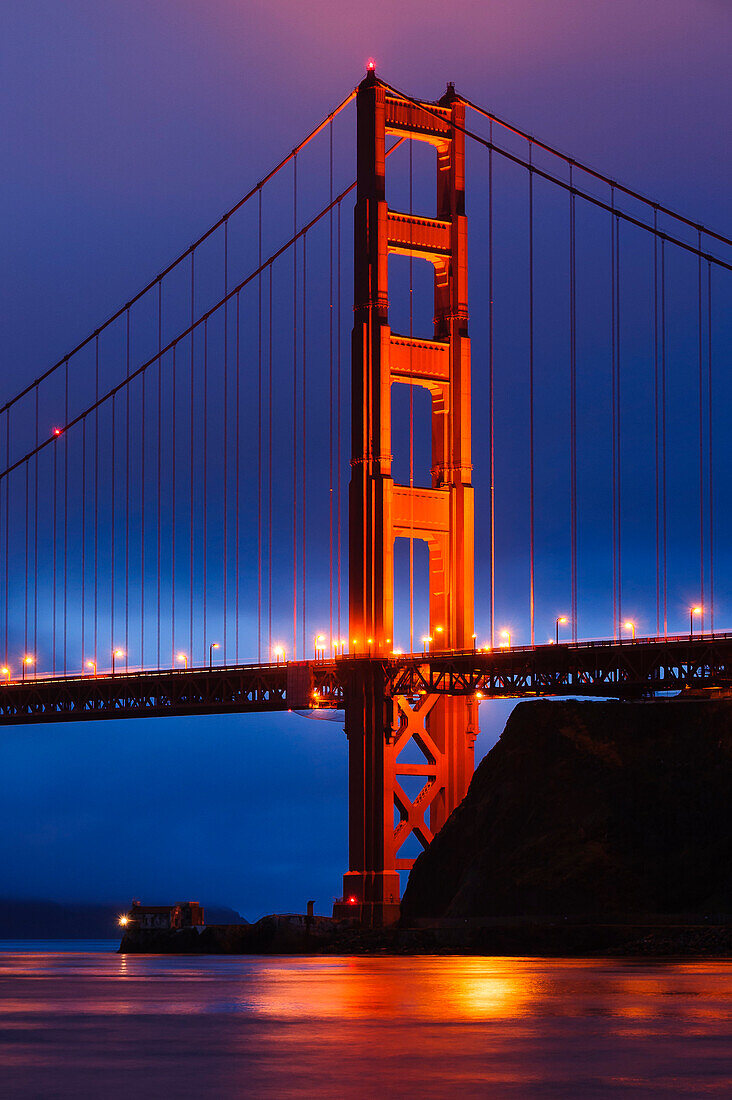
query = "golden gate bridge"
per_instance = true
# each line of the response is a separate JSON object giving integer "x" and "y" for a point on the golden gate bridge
{"x": 179, "y": 529}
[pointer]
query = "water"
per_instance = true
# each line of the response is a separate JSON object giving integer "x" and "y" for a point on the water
{"x": 96, "y": 1024}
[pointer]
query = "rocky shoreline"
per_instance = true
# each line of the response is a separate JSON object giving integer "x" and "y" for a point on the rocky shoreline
{"x": 298, "y": 935}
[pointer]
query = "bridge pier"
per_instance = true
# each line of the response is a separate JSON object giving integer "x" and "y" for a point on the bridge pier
{"x": 380, "y": 727}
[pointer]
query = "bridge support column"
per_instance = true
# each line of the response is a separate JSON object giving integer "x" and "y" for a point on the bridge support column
{"x": 441, "y": 513}
{"x": 380, "y": 727}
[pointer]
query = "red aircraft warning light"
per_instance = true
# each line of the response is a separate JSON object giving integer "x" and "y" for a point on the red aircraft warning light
{"x": 57, "y": 431}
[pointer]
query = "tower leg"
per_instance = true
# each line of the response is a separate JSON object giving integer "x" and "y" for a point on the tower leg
{"x": 379, "y": 728}
{"x": 371, "y": 886}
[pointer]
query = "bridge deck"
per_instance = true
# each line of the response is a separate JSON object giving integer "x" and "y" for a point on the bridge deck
{"x": 627, "y": 669}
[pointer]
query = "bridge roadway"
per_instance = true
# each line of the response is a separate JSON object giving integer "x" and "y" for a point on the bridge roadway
{"x": 621, "y": 669}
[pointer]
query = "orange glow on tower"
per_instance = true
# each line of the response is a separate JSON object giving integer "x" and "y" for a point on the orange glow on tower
{"x": 381, "y": 511}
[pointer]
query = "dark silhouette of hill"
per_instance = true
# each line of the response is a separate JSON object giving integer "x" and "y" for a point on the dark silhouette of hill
{"x": 30, "y": 919}
{"x": 590, "y": 809}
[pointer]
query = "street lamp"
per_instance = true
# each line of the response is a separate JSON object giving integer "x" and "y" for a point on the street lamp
{"x": 211, "y": 648}
{"x": 559, "y": 619}
{"x": 279, "y": 653}
{"x": 692, "y": 612}
{"x": 369, "y": 643}
{"x": 319, "y": 645}
{"x": 631, "y": 627}
{"x": 184, "y": 658}
{"x": 475, "y": 639}
{"x": 439, "y": 630}
{"x": 426, "y": 639}
{"x": 115, "y": 654}
{"x": 5, "y": 671}
{"x": 92, "y": 664}
{"x": 507, "y": 635}
{"x": 26, "y": 661}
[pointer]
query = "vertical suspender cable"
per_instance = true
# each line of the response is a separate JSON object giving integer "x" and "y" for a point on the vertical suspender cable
{"x": 83, "y": 542}
{"x": 237, "y": 448}
{"x": 113, "y": 495}
{"x": 225, "y": 486}
{"x": 55, "y": 564}
{"x": 7, "y": 530}
{"x": 172, "y": 506}
{"x": 269, "y": 477}
{"x": 656, "y": 417}
{"x": 664, "y": 510}
{"x": 700, "y": 333}
{"x": 294, "y": 409}
{"x": 304, "y": 431}
{"x": 127, "y": 498}
{"x": 205, "y": 482}
{"x": 573, "y": 402}
{"x": 330, "y": 390}
{"x": 160, "y": 456}
{"x": 491, "y": 416}
{"x": 338, "y": 421}
{"x": 96, "y": 502}
{"x": 531, "y": 404}
{"x": 618, "y": 419}
{"x": 25, "y": 571}
{"x": 142, "y": 524}
{"x": 411, "y": 411}
{"x": 66, "y": 511}
{"x": 614, "y": 402}
{"x": 259, "y": 433}
{"x": 338, "y": 462}
{"x": 35, "y": 542}
{"x": 191, "y": 480}
{"x": 709, "y": 444}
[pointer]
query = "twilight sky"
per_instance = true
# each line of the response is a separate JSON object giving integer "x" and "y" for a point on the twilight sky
{"x": 127, "y": 129}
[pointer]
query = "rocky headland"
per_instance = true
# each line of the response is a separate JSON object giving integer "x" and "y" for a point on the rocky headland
{"x": 590, "y": 828}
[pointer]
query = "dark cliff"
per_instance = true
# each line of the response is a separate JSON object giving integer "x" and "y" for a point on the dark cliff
{"x": 589, "y": 809}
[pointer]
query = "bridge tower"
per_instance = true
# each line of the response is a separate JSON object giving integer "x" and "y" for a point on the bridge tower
{"x": 379, "y": 728}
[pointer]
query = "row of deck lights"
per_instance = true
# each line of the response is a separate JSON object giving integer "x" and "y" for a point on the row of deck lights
{"x": 319, "y": 647}
{"x": 117, "y": 654}
{"x": 319, "y": 642}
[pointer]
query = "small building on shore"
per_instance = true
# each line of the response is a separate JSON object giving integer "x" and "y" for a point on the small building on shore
{"x": 184, "y": 914}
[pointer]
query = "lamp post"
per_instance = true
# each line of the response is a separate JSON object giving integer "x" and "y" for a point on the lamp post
{"x": 92, "y": 665}
{"x": 475, "y": 640}
{"x": 184, "y": 658}
{"x": 279, "y": 653}
{"x": 507, "y": 635}
{"x": 5, "y": 671}
{"x": 26, "y": 662}
{"x": 631, "y": 627}
{"x": 319, "y": 645}
{"x": 426, "y": 639}
{"x": 692, "y": 612}
{"x": 211, "y": 648}
{"x": 560, "y": 619}
{"x": 115, "y": 654}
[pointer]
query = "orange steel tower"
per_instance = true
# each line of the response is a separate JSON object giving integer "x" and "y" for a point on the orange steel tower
{"x": 379, "y": 728}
